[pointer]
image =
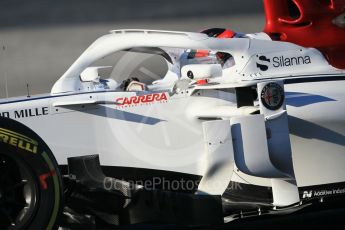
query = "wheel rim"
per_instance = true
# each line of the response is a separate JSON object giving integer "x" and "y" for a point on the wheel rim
{"x": 18, "y": 193}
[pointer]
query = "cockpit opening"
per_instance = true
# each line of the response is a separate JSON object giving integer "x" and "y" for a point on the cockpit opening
{"x": 154, "y": 69}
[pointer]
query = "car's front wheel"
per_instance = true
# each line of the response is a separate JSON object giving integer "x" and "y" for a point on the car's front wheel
{"x": 30, "y": 182}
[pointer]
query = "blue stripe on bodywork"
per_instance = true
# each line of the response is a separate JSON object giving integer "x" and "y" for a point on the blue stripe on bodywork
{"x": 299, "y": 99}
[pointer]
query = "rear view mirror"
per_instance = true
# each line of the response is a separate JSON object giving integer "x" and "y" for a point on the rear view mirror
{"x": 91, "y": 73}
{"x": 201, "y": 71}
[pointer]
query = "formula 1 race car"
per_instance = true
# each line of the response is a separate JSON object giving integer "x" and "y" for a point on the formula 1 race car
{"x": 240, "y": 125}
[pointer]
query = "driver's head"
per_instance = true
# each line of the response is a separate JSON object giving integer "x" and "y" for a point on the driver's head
{"x": 215, "y": 33}
{"x": 219, "y": 33}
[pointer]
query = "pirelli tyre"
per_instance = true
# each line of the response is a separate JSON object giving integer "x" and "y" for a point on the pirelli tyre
{"x": 30, "y": 182}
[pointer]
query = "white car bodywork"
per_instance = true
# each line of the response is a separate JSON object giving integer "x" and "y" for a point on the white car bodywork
{"x": 178, "y": 129}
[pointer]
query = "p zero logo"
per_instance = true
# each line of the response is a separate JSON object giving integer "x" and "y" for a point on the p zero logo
{"x": 142, "y": 99}
{"x": 18, "y": 140}
{"x": 262, "y": 63}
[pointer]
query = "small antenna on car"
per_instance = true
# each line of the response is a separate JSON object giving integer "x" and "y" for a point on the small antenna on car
{"x": 5, "y": 73}
{"x": 28, "y": 89}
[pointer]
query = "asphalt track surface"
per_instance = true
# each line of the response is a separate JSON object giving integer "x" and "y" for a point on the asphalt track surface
{"x": 40, "y": 39}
